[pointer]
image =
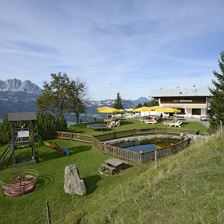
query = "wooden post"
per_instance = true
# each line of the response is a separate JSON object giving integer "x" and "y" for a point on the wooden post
{"x": 48, "y": 213}
{"x": 13, "y": 144}
{"x": 155, "y": 156}
{"x": 221, "y": 128}
{"x": 33, "y": 143}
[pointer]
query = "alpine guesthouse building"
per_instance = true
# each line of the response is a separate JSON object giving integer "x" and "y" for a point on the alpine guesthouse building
{"x": 193, "y": 103}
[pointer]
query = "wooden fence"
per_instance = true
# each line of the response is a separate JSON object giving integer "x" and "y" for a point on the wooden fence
{"x": 123, "y": 153}
{"x": 133, "y": 132}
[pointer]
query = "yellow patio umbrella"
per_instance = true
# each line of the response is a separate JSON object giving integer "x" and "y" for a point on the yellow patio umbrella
{"x": 129, "y": 110}
{"x": 142, "y": 109}
{"x": 108, "y": 110}
{"x": 119, "y": 110}
{"x": 153, "y": 108}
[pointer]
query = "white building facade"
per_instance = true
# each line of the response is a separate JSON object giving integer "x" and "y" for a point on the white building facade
{"x": 193, "y": 103}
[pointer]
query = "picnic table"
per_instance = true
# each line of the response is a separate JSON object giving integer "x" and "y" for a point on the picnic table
{"x": 111, "y": 166}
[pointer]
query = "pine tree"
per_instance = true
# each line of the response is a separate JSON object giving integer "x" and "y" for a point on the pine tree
{"x": 139, "y": 105}
{"x": 216, "y": 116}
{"x": 118, "y": 102}
{"x": 5, "y": 130}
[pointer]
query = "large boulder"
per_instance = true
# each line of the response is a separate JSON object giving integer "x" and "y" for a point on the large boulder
{"x": 72, "y": 182}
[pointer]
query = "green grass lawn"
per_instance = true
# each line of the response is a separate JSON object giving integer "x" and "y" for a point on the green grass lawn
{"x": 189, "y": 182}
{"x": 132, "y": 124}
{"x": 185, "y": 188}
{"x": 31, "y": 207}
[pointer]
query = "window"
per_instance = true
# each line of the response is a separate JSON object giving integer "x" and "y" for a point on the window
{"x": 196, "y": 111}
{"x": 182, "y": 110}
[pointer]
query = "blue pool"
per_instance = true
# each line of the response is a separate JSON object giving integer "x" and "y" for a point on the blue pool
{"x": 143, "y": 148}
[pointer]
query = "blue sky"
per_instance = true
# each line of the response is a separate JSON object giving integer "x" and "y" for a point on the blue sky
{"x": 122, "y": 46}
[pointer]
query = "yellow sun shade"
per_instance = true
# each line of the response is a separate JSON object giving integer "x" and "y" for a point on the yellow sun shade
{"x": 142, "y": 109}
{"x": 108, "y": 110}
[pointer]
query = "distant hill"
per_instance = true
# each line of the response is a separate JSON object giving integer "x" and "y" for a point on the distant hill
{"x": 17, "y": 101}
{"x": 16, "y": 95}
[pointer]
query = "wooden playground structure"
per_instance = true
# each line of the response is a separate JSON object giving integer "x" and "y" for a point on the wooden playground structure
{"x": 22, "y": 128}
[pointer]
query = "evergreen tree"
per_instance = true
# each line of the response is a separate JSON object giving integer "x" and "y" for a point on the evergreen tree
{"x": 216, "y": 116}
{"x": 5, "y": 131}
{"x": 139, "y": 105}
{"x": 118, "y": 102}
{"x": 47, "y": 125}
{"x": 152, "y": 103}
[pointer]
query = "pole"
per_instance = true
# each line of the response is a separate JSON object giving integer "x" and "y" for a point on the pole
{"x": 48, "y": 213}
{"x": 221, "y": 128}
{"x": 155, "y": 156}
{"x": 33, "y": 142}
{"x": 13, "y": 144}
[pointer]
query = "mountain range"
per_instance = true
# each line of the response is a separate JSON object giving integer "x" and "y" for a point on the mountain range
{"x": 16, "y": 85}
{"x": 16, "y": 95}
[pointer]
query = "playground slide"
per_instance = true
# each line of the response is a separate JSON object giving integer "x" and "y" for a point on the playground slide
{"x": 57, "y": 148}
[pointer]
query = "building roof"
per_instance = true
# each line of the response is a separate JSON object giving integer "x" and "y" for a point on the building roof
{"x": 22, "y": 116}
{"x": 180, "y": 92}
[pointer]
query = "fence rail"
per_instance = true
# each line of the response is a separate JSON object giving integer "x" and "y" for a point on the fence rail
{"x": 122, "y": 134}
{"x": 126, "y": 154}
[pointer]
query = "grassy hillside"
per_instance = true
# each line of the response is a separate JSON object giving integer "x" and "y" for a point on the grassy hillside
{"x": 185, "y": 188}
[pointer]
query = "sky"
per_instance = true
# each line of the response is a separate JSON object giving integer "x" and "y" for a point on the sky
{"x": 126, "y": 46}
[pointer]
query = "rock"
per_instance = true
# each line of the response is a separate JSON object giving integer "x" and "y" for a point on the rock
{"x": 72, "y": 182}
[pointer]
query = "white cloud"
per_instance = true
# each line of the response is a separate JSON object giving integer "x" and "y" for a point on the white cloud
{"x": 116, "y": 46}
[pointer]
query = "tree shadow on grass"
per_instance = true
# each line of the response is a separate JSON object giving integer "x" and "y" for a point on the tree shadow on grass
{"x": 101, "y": 130}
{"x": 126, "y": 122}
{"x": 79, "y": 149}
{"x": 91, "y": 183}
{"x": 185, "y": 125}
{"x": 49, "y": 156}
{"x": 45, "y": 156}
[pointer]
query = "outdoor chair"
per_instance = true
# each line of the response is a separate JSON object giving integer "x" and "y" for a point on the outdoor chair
{"x": 150, "y": 121}
{"x": 174, "y": 124}
{"x": 113, "y": 124}
{"x": 118, "y": 123}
